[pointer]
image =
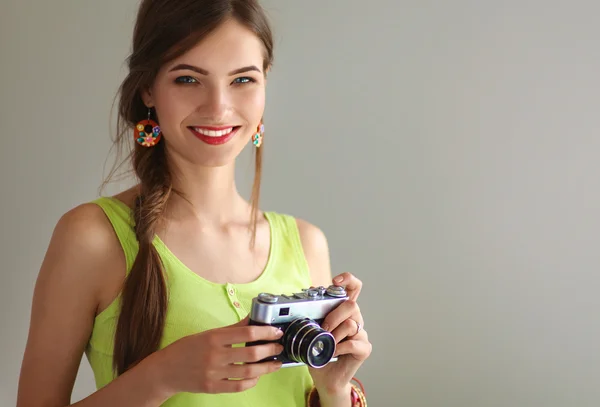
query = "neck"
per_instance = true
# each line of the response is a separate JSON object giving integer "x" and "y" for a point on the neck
{"x": 208, "y": 194}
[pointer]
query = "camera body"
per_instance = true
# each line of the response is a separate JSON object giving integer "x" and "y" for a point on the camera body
{"x": 299, "y": 316}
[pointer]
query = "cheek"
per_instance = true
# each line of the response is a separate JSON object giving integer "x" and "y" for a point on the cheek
{"x": 173, "y": 106}
{"x": 252, "y": 104}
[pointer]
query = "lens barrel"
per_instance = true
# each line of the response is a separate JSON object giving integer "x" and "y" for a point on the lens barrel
{"x": 306, "y": 342}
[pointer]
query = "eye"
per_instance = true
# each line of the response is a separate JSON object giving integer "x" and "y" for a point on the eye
{"x": 185, "y": 79}
{"x": 244, "y": 79}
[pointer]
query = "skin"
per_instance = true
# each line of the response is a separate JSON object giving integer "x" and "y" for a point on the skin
{"x": 84, "y": 266}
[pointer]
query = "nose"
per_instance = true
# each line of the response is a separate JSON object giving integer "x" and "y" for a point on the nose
{"x": 216, "y": 104}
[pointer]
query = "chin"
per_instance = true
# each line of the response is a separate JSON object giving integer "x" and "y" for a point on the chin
{"x": 198, "y": 153}
{"x": 213, "y": 159}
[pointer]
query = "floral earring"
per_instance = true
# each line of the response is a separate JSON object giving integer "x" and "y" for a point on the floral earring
{"x": 257, "y": 138}
{"x": 147, "y": 132}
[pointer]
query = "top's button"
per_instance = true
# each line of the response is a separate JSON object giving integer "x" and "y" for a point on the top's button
{"x": 231, "y": 291}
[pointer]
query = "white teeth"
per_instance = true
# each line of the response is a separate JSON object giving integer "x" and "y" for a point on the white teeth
{"x": 213, "y": 133}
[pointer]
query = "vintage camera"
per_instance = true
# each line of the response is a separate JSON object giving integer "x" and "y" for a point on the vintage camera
{"x": 300, "y": 316}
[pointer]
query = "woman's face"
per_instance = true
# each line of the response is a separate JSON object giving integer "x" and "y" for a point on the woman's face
{"x": 210, "y": 101}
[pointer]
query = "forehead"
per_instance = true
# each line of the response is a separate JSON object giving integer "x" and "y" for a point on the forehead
{"x": 229, "y": 47}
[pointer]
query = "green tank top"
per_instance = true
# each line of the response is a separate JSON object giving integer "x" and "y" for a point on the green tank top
{"x": 196, "y": 305}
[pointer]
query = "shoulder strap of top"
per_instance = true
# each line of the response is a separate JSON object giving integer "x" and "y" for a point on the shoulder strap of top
{"x": 121, "y": 219}
{"x": 289, "y": 244}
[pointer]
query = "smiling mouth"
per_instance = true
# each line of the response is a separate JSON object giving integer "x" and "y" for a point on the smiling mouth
{"x": 214, "y": 135}
{"x": 214, "y": 131}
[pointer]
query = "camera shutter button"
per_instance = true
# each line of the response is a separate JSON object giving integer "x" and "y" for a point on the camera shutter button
{"x": 336, "y": 291}
{"x": 267, "y": 297}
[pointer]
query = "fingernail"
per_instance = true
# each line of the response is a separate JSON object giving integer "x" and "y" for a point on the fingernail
{"x": 325, "y": 327}
{"x": 278, "y": 332}
{"x": 338, "y": 279}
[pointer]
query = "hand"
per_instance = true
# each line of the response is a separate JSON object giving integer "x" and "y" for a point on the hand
{"x": 204, "y": 363}
{"x": 353, "y": 346}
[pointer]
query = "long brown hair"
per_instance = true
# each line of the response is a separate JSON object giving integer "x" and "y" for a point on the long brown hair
{"x": 164, "y": 30}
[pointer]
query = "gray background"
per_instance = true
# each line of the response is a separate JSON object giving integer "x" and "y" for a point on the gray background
{"x": 448, "y": 149}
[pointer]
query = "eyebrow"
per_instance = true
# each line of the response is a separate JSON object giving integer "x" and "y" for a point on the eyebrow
{"x": 203, "y": 71}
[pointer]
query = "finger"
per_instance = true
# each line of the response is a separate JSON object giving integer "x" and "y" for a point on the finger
{"x": 254, "y": 353}
{"x": 250, "y": 370}
{"x": 233, "y": 386}
{"x": 243, "y": 322}
{"x": 251, "y": 333}
{"x": 347, "y": 309}
{"x": 352, "y": 284}
{"x": 346, "y": 329}
{"x": 358, "y": 348}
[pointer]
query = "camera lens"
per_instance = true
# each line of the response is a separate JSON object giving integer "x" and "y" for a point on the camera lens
{"x": 306, "y": 342}
{"x": 320, "y": 350}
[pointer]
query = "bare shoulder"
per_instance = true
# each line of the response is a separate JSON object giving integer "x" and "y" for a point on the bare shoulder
{"x": 84, "y": 236}
{"x": 312, "y": 237}
{"x": 316, "y": 250}
{"x": 84, "y": 227}
{"x": 82, "y": 251}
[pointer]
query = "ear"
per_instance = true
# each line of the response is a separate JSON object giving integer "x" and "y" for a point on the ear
{"x": 146, "y": 95}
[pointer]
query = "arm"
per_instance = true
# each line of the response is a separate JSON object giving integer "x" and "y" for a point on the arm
{"x": 316, "y": 251}
{"x": 82, "y": 250}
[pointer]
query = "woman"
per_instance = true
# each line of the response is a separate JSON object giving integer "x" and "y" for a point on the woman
{"x": 155, "y": 284}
